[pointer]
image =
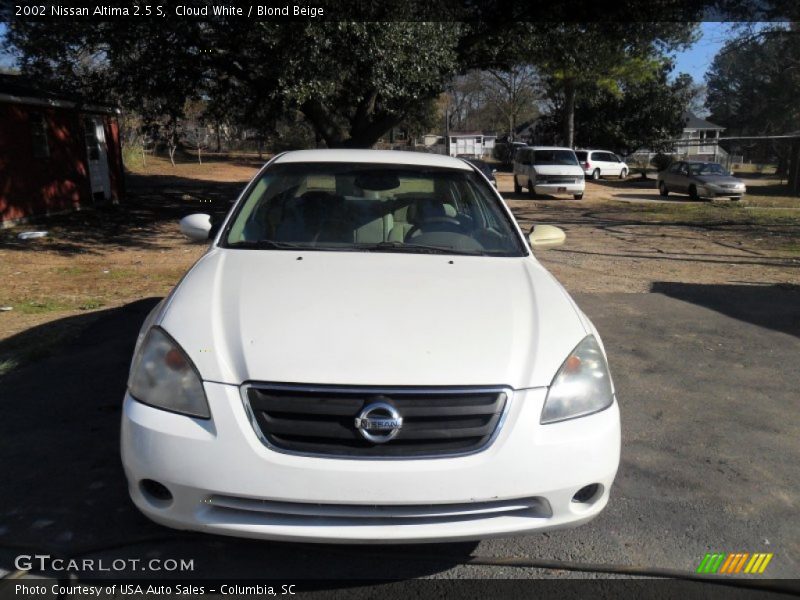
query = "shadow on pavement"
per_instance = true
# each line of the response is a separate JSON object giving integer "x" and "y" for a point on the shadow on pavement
{"x": 775, "y": 307}
{"x": 64, "y": 492}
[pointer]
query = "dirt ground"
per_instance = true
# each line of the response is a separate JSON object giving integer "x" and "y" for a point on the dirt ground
{"x": 617, "y": 245}
{"x": 620, "y": 238}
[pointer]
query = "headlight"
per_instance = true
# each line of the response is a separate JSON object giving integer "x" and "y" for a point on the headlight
{"x": 163, "y": 376}
{"x": 582, "y": 385}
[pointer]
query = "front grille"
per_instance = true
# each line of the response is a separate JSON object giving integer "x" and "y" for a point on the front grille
{"x": 371, "y": 514}
{"x": 322, "y": 421}
{"x": 556, "y": 179}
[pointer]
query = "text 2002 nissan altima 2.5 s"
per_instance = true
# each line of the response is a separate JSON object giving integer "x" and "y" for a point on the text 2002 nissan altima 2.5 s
{"x": 369, "y": 352}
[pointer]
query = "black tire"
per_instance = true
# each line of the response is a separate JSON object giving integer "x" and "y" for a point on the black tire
{"x": 596, "y": 175}
{"x": 662, "y": 189}
{"x": 623, "y": 174}
{"x": 577, "y": 196}
{"x": 736, "y": 198}
{"x": 517, "y": 186}
{"x": 531, "y": 191}
{"x": 693, "y": 192}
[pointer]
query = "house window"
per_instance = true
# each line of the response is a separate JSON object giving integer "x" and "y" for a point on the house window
{"x": 41, "y": 146}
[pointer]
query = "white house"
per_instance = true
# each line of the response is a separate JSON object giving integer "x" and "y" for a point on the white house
{"x": 701, "y": 139}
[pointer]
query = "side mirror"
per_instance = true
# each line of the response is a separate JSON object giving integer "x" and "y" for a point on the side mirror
{"x": 546, "y": 236}
{"x": 196, "y": 227}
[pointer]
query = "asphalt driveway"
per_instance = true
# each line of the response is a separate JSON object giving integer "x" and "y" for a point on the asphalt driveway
{"x": 707, "y": 377}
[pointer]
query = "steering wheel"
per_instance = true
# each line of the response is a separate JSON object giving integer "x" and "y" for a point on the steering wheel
{"x": 439, "y": 224}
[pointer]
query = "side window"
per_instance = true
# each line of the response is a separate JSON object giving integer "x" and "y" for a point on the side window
{"x": 684, "y": 169}
{"x": 39, "y": 141}
{"x": 675, "y": 167}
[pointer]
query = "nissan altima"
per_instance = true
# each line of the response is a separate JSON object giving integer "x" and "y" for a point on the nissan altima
{"x": 369, "y": 352}
{"x": 700, "y": 180}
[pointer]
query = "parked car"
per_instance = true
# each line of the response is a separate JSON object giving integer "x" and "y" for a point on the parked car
{"x": 369, "y": 351}
{"x": 548, "y": 170}
{"x": 484, "y": 168}
{"x": 602, "y": 163}
{"x": 700, "y": 180}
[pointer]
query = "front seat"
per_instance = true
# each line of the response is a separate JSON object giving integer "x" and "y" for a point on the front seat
{"x": 415, "y": 213}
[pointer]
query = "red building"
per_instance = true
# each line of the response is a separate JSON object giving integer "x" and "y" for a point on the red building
{"x": 56, "y": 154}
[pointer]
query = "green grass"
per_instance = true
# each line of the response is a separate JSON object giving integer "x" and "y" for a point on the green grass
{"x": 38, "y": 307}
{"x": 709, "y": 213}
{"x": 121, "y": 273}
{"x": 92, "y": 304}
{"x": 71, "y": 270}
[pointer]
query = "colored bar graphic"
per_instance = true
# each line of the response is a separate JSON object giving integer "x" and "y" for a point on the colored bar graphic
{"x": 741, "y": 562}
{"x": 764, "y": 564}
{"x": 734, "y": 563}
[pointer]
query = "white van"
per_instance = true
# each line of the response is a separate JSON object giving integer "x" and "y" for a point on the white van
{"x": 548, "y": 170}
{"x": 602, "y": 163}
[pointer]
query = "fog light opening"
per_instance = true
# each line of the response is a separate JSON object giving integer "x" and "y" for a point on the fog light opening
{"x": 156, "y": 493}
{"x": 587, "y": 494}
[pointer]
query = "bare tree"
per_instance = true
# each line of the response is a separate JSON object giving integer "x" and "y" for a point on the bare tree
{"x": 513, "y": 93}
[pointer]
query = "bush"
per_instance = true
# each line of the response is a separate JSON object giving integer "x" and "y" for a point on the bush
{"x": 661, "y": 161}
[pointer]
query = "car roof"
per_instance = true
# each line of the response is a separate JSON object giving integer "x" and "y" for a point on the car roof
{"x": 550, "y": 148}
{"x": 593, "y": 150}
{"x": 392, "y": 157}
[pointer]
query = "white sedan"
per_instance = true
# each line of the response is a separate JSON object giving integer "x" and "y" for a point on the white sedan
{"x": 369, "y": 352}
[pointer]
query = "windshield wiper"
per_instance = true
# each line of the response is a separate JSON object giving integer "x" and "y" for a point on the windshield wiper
{"x": 411, "y": 248}
{"x": 269, "y": 245}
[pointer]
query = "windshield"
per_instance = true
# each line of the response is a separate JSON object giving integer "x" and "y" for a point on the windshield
{"x": 707, "y": 169}
{"x": 554, "y": 157}
{"x": 372, "y": 207}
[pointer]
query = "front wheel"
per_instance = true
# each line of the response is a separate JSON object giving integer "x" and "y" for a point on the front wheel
{"x": 577, "y": 196}
{"x": 693, "y": 192}
{"x": 662, "y": 189}
{"x": 623, "y": 174}
{"x": 596, "y": 174}
{"x": 517, "y": 186}
{"x": 531, "y": 191}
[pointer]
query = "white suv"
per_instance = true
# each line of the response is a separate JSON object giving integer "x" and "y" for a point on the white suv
{"x": 369, "y": 352}
{"x": 548, "y": 170}
{"x": 602, "y": 163}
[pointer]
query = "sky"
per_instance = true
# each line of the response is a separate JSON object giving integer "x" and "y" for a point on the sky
{"x": 694, "y": 61}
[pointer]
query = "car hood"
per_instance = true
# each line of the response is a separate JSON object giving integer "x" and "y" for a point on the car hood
{"x": 382, "y": 319}
{"x": 559, "y": 170}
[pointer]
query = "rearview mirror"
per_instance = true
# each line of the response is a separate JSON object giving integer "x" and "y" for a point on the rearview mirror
{"x": 196, "y": 227}
{"x": 546, "y": 236}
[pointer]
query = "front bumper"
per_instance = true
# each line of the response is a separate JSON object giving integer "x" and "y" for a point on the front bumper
{"x": 224, "y": 480}
{"x": 708, "y": 192}
{"x": 554, "y": 189}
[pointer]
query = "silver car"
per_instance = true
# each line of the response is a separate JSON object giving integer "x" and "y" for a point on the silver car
{"x": 700, "y": 180}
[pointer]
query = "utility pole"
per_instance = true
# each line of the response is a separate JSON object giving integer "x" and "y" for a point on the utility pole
{"x": 447, "y": 129}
